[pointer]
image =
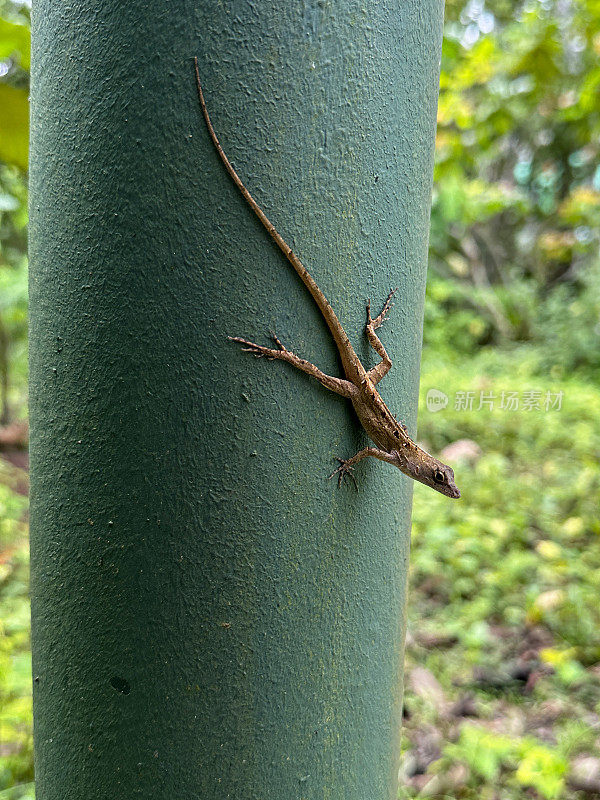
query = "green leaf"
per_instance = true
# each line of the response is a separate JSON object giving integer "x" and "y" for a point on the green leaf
{"x": 15, "y": 42}
{"x": 483, "y": 751}
{"x": 544, "y": 770}
{"x": 14, "y": 126}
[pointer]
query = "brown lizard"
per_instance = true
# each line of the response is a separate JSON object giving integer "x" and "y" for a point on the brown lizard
{"x": 394, "y": 445}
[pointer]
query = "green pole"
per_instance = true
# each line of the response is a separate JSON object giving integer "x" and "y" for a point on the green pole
{"x": 212, "y": 618}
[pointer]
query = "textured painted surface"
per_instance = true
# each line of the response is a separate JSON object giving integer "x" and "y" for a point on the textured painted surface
{"x": 212, "y": 617}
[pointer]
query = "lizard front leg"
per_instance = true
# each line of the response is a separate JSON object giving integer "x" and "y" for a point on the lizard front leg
{"x": 346, "y": 468}
{"x": 337, "y": 385}
{"x": 384, "y": 366}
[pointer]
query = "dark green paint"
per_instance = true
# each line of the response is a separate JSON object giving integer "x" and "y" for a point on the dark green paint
{"x": 212, "y": 617}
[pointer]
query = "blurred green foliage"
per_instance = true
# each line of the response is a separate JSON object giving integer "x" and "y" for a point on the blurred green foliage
{"x": 14, "y": 136}
{"x": 515, "y": 221}
{"x": 16, "y": 746}
{"x": 505, "y": 581}
{"x": 503, "y": 604}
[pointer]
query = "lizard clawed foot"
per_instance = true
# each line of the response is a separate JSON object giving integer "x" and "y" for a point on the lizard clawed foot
{"x": 344, "y": 471}
{"x": 387, "y": 306}
{"x": 250, "y": 347}
{"x": 258, "y": 350}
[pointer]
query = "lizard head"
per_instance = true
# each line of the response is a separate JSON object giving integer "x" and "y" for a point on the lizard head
{"x": 428, "y": 470}
{"x": 441, "y": 478}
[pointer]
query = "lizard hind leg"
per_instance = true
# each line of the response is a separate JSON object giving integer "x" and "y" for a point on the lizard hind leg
{"x": 384, "y": 366}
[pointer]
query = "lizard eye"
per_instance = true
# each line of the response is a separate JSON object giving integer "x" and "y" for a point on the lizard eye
{"x": 439, "y": 477}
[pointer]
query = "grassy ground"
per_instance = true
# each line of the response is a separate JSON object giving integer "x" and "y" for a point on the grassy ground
{"x": 16, "y": 746}
{"x": 503, "y": 656}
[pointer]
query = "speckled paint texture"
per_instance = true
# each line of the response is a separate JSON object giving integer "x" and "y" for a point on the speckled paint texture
{"x": 212, "y": 618}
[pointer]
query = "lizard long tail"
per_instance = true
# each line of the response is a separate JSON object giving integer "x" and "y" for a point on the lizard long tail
{"x": 343, "y": 343}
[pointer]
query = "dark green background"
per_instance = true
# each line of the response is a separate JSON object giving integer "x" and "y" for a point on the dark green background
{"x": 212, "y": 618}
